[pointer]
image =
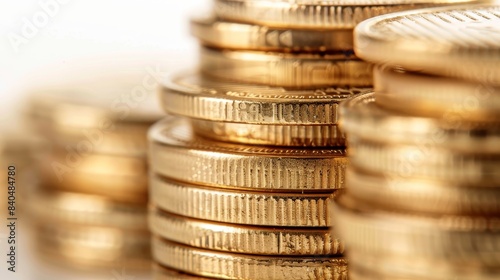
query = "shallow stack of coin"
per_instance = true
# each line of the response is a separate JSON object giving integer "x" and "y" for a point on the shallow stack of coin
{"x": 241, "y": 182}
{"x": 90, "y": 209}
{"x": 423, "y": 189}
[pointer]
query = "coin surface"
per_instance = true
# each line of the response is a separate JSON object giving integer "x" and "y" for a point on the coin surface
{"x": 276, "y": 135}
{"x": 233, "y": 35}
{"x": 176, "y": 153}
{"x": 318, "y": 14}
{"x": 462, "y": 240}
{"x": 461, "y": 42}
{"x": 163, "y": 273}
{"x": 242, "y": 266}
{"x": 241, "y": 207}
{"x": 194, "y": 96}
{"x": 414, "y": 93}
{"x": 243, "y": 238}
{"x": 289, "y": 70}
{"x": 405, "y": 193}
{"x": 362, "y": 118}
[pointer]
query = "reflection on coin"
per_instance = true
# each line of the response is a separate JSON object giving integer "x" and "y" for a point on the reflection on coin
{"x": 198, "y": 97}
{"x": 241, "y": 266}
{"x": 234, "y": 35}
{"x": 176, "y": 153}
{"x": 163, "y": 273}
{"x": 241, "y": 207}
{"x": 290, "y": 70}
{"x": 461, "y": 42}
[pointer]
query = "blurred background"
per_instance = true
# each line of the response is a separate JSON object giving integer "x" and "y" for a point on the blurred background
{"x": 51, "y": 43}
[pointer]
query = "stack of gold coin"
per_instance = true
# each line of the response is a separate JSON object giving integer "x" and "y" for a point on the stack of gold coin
{"x": 241, "y": 182}
{"x": 423, "y": 193}
{"x": 90, "y": 210}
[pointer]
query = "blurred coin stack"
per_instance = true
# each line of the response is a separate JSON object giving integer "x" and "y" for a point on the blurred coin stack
{"x": 90, "y": 208}
{"x": 240, "y": 187}
{"x": 423, "y": 196}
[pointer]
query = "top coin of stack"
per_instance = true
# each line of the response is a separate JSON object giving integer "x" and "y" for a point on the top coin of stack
{"x": 423, "y": 188}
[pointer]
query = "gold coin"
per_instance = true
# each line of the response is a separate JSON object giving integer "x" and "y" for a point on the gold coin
{"x": 436, "y": 96}
{"x": 93, "y": 246}
{"x": 84, "y": 209}
{"x": 176, "y": 153}
{"x": 240, "y": 266}
{"x": 163, "y": 273}
{"x": 462, "y": 240}
{"x": 317, "y": 14}
{"x": 241, "y": 207}
{"x": 290, "y": 70}
{"x": 118, "y": 177}
{"x": 243, "y": 239}
{"x": 362, "y": 118}
{"x": 195, "y": 96}
{"x": 233, "y": 35}
{"x": 276, "y": 135}
{"x": 460, "y": 42}
{"x": 428, "y": 196}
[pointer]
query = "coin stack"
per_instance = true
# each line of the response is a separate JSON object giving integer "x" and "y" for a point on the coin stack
{"x": 240, "y": 187}
{"x": 90, "y": 210}
{"x": 423, "y": 189}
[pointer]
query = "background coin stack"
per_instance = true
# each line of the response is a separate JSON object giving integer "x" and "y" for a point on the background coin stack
{"x": 423, "y": 196}
{"x": 90, "y": 209}
{"x": 240, "y": 189}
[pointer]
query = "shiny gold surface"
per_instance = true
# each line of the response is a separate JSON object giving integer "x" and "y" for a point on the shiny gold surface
{"x": 233, "y": 35}
{"x": 241, "y": 207}
{"x": 275, "y": 135}
{"x": 241, "y": 266}
{"x": 198, "y": 97}
{"x": 460, "y": 42}
{"x": 163, "y": 273}
{"x": 176, "y": 153}
{"x": 290, "y": 70}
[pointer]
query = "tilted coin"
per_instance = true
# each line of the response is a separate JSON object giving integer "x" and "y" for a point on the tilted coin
{"x": 436, "y": 96}
{"x": 241, "y": 207}
{"x": 462, "y": 240}
{"x": 241, "y": 266}
{"x": 318, "y": 14}
{"x": 163, "y": 273}
{"x": 195, "y": 96}
{"x": 234, "y": 35}
{"x": 93, "y": 246}
{"x": 423, "y": 195}
{"x": 243, "y": 238}
{"x": 178, "y": 154}
{"x": 290, "y": 70}
{"x": 276, "y": 135}
{"x": 363, "y": 119}
{"x": 461, "y": 42}
{"x": 84, "y": 209}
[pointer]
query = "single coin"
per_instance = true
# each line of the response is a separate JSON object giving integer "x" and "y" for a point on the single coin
{"x": 461, "y": 42}
{"x": 195, "y": 96}
{"x": 176, "y": 153}
{"x": 363, "y": 119}
{"x": 393, "y": 267}
{"x": 164, "y": 273}
{"x": 233, "y": 35}
{"x": 93, "y": 246}
{"x": 121, "y": 178}
{"x": 276, "y": 135}
{"x": 290, "y": 70}
{"x": 462, "y": 240}
{"x": 317, "y": 14}
{"x": 434, "y": 163}
{"x": 241, "y": 266}
{"x": 242, "y": 238}
{"x": 83, "y": 209}
{"x": 241, "y": 207}
{"x": 423, "y": 195}
{"x": 435, "y": 96}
